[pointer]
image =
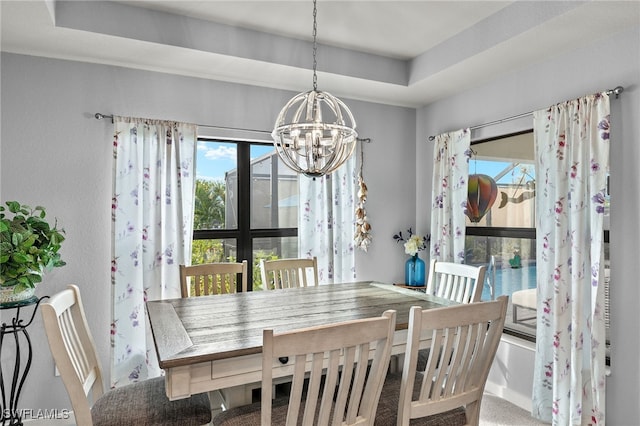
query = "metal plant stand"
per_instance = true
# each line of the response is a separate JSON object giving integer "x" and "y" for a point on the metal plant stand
{"x": 10, "y": 394}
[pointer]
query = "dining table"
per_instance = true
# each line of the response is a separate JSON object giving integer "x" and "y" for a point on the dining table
{"x": 210, "y": 343}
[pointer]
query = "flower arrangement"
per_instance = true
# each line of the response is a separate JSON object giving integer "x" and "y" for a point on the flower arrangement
{"x": 414, "y": 243}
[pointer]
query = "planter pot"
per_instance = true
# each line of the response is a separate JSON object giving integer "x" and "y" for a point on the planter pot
{"x": 9, "y": 295}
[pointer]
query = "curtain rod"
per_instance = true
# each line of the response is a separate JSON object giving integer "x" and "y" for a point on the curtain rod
{"x": 100, "y": 116}
{"x": 616, "y": 91}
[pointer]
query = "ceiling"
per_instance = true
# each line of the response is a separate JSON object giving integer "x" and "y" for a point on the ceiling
{"x": 406, "y": 53}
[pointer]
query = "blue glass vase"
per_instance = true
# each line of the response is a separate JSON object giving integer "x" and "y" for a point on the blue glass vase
{"x": 414, "y": 271}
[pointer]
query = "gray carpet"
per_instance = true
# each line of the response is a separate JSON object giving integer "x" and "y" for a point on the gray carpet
{"x": 496, "y": 411}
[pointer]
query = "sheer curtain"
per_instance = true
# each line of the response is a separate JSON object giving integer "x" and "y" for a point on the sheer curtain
{"x": 326, "y": 223}
{"x": 572, "y": 151}
{"x": 451, "y": 155}
{"x": 152, "y": 221}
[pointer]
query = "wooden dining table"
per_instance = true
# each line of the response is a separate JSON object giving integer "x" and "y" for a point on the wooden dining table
{"x": 211, "y": 343}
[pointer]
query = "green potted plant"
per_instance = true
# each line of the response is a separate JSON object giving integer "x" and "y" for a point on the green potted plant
{"x": 29, "y": 246}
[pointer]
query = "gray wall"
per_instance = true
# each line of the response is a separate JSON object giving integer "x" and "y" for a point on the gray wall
{"x": 603, "y": 65}
{"x": 55, "y": 154}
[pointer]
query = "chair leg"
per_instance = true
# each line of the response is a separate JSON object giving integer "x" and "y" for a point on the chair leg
{"x": 473, "y": 413}
{"x": 393, "y": 364}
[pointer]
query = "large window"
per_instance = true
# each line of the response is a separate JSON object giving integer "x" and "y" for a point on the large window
{"x": 246, "y": 205}
{"x": 505, "y": 238}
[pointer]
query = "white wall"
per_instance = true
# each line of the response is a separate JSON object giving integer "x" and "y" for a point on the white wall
{"x": 600, "y": 66}
{"x": 55, "y": 154}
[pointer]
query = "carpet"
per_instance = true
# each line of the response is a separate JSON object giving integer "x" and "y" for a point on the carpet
{"x": 495, "y": 411}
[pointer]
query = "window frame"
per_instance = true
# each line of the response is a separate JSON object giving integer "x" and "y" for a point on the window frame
{"x": 511, "y": 232}
{"x": 243, "y": 234}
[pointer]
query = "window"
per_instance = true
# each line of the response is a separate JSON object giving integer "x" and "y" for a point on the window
{"x": 246, "y": 205}
{"x": 505, "y": 238}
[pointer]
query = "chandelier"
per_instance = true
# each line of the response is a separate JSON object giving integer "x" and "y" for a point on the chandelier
{"x": 314, "y": 133}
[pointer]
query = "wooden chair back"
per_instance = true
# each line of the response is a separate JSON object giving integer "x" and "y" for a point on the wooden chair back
{"x": 213, "y": 278}
{"x": 352, "y": 385}
{"x": 464, "y": 341}
{"x": 455, "y": 281}
{"x": 289, "y": 273}
{"x": 74, "y": 351}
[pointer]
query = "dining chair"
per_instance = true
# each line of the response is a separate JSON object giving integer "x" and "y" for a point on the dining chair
{"x": 213, "y": 278}
{"x": 448, "y": 391}
{"x": 289, "y": 273}
{"x": 333, "y": 381}
{"x": 455, "y": 281}
{"x": 75, "y": 355}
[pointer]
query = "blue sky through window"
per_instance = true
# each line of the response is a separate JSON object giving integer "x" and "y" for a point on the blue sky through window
{"x": 495, "y": 168}
{"x": 216, "y": 158}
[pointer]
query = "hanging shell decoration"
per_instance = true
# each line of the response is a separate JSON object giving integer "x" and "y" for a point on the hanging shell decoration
{"x": 363, "y": 228}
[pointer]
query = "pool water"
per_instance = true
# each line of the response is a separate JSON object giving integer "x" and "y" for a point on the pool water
{"x": 508, "y": 280}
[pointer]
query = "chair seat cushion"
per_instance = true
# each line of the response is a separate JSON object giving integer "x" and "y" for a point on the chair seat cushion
{"x": 250, "y": 415}
{"x": 525, "y": 298}
{"x": 387, "y": 413}
{"x": 146, "y": 403}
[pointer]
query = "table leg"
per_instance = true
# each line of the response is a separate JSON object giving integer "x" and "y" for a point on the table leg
{"x": 237, "y": 396}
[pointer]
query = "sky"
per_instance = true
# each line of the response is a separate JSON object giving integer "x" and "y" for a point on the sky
{"x": 494, "y": 168}
{"x": 216, "y": 158}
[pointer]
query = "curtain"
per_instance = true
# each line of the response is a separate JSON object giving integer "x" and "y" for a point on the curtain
{"x": 152, "y": 223}
{"x": 326, "y": 223}
{"x": 572, "y": 152}
{"x": 451, "y": 155}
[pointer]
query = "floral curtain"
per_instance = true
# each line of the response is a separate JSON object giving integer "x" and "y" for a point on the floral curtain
{"x": 451, "y": 155}
{"x": 572, "y": 151}
{"x": 326, "y": 222}
{"x": 152, "y": 221}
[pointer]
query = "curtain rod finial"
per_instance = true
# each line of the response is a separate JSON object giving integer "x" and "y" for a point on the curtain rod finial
{"x": 618, "y": 90}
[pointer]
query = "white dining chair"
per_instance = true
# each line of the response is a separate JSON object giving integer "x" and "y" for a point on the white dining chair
{"x": 74, "y": 352}
{"x": 453, "y": 281}
{"x": 213, "y": 278}
{"x": 456, "y": 281}
{"x": 289, "y": 273}
{"x": 333, "y": 381}
{"x": 448, "y": 390}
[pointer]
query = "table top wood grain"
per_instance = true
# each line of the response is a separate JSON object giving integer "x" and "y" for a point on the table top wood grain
{"x": 207, "y": 328}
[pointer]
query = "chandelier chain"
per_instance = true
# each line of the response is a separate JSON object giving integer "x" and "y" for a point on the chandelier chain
{"x": 314, "y": 133}
{"x": 315, "y": 46}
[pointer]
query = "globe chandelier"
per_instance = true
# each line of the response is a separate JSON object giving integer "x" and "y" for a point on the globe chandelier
{"x": 314, "y": 133}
